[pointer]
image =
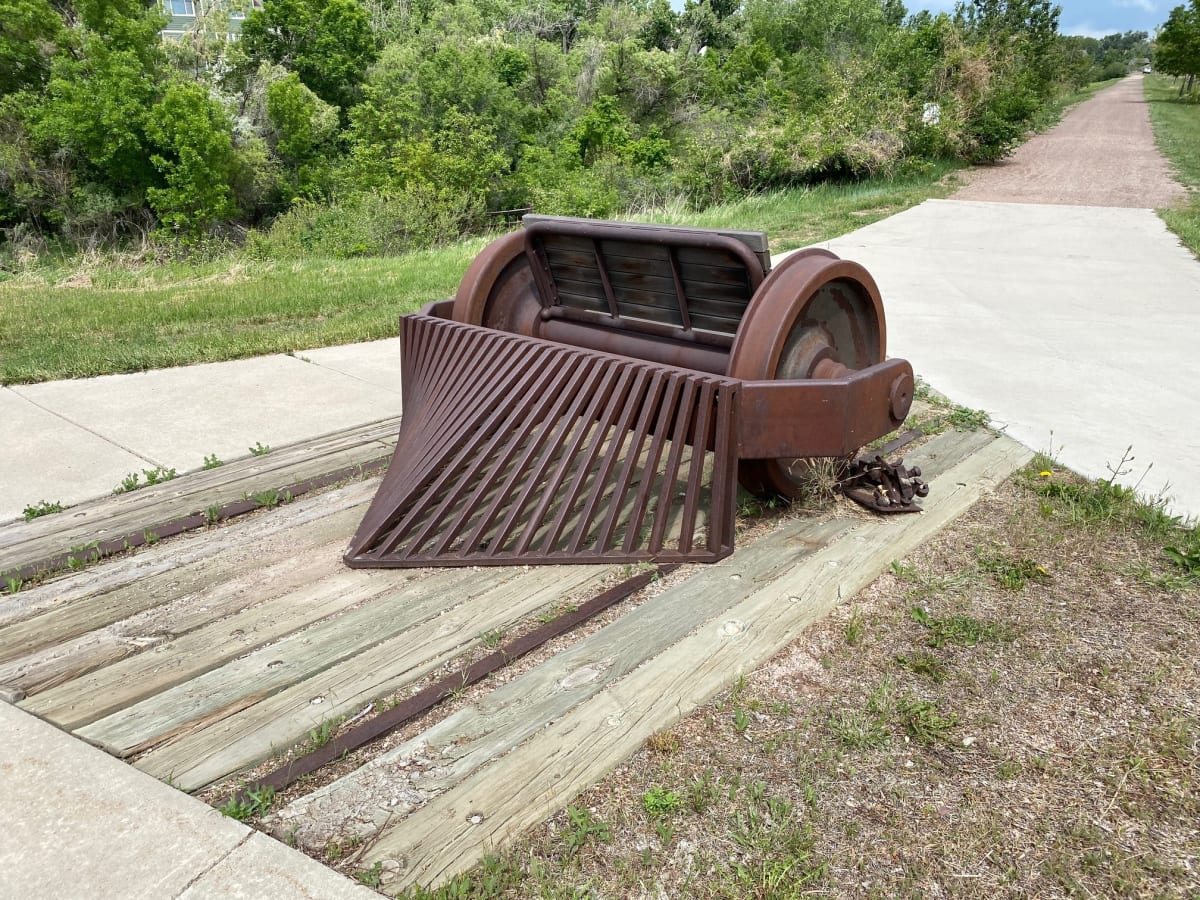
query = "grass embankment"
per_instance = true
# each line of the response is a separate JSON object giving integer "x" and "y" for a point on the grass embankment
{"x": 106, "y": 318}
{"x": 1010, "y": 711}
{"x": 99, "y": 318}
{"x": 1176, "y": 124}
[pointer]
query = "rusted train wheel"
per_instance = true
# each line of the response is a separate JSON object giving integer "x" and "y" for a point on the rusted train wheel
{"x": 497, "y": 290}
{"x": 815, "y": 316}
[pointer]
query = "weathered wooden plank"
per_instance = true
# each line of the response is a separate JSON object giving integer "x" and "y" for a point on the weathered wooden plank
{"x": 541, "y": 775}
{"x": 57, "y": 678}
{"x": 388, "y": 603}
{"x": 362, "y": 801}
{"x": 581, "y": 301}
{"x": 252, "y": 613}
{"x": 697, "y": 273}
{"x": 646, "y": 304}
{"x": 652, "y": 290}
{"x": 198, "y": 757}
{"x": 92, "y": 611}
{"x": 171, "y": 562}
{"x": 23, "y": 543}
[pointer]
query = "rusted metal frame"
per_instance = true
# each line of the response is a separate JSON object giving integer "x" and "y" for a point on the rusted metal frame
{"x": 616, "y": 382}
{"x": 695, "y": 477}
{"x": 561, "y": 402}
{"x": 643, "y": 327}
{"x": 684, "y": 416}
{"x": 539, "y": 267}
{"x": 680, "y": 294}
{"x": 815, "y": 417}
{"x": 424, "y": 435}
{"x": 430, "y": 355}
{"x": 536, "y": 409}
{"x": 724, "y": 475}
{"x": 668, "y": 409}
{"x": 490, "y": 364}
{"x": 569, "y": 421}
{"x": 598, "y": 436}
{"x": 497, "y": 411}
{"x": 615, "y": 444}
{"x": 486, "y": 437}
{"x": 422, "y": 701}
{"x": 640, "y": 234}
{"x": 602, "y": 268}
{"x": 480, "y": 373}
{"x": 649, "y": 408}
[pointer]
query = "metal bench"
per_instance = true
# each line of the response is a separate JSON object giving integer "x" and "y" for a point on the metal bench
{"x": 595, "y": 391}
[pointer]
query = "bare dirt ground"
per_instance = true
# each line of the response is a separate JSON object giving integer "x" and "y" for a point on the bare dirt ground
{"x": 1101, "y": 154}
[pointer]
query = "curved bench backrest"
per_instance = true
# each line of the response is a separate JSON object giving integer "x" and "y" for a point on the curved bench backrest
{"x": 686, "y": 283}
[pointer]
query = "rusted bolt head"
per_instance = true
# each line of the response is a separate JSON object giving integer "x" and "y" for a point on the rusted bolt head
{"x": 901, "y": 396}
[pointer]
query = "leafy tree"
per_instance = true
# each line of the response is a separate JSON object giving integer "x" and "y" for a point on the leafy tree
{"x": 129, "y": 25}
{"x": 195, "y": 156}
{"x": 1028, "y": 29}
{"x": 603, "y": 128}
{"x": 29, "y": 32}
{"x": 328, "y": 43}
{"x": 94, "y": 112}
{"x": 301, "y": 122}
{"x": 1177, "y": 51}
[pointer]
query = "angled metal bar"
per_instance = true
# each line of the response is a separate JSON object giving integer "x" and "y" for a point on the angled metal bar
{"x": 662, "y": 422}
{"x": 537, "y": 477}
{"x": 602, "y": 267}
{"x": 649, "y": 411}
{"x": 684, "y": 416}
{"x": 680, "y": 294}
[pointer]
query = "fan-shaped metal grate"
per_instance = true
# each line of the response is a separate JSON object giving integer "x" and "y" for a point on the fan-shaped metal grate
{"x": 514, "y": 450}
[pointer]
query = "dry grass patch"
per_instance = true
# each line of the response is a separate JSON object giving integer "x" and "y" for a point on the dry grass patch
{"x": 1012, "y": 710}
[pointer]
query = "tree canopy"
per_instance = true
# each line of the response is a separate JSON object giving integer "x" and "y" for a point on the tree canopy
{"x": 1177, "y": 50}
{"x": 372, "y": 125}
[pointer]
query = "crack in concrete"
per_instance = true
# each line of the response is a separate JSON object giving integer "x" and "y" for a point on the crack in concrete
{"x": 220, "y": 859}
{"x": 80, "y": 425}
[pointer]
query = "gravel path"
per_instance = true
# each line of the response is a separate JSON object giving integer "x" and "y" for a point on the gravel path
{"x": 1101, "y": 154}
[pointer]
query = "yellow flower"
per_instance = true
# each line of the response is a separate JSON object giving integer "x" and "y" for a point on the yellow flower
{"x": 1043, "y": 474}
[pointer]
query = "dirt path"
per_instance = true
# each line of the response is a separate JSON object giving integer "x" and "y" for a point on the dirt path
{"x": 1101, "y": 154}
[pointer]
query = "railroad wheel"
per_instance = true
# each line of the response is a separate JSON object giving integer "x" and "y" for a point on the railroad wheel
{"x": 497, "y": 290}
{"x": 815, "y": 316}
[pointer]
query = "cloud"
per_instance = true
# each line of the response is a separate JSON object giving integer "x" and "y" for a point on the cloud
{"x": 1085, "y": 29}
{"x": 1143, "y": 5}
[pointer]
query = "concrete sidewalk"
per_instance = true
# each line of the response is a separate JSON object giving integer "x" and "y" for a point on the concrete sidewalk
{"x": 70, "y": 441}
{"x": 81, "y": 823}
{"x": 1073, "y": 326}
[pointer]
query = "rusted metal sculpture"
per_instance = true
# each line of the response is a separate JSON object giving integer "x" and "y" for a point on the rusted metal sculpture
{"x": 595, "y": 390}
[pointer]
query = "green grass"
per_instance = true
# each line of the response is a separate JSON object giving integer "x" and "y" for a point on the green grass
{"x": 1176, "y": 124}
{"x": 98, "y": 321}
{"x": 802, "y": 216}
{"x": 75, "y": 320}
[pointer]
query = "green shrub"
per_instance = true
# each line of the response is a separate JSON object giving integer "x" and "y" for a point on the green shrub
{"x": 999, "y": 122}
{"x": 196, "y": 160}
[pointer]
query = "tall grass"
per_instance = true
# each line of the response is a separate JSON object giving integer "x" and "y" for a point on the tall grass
{"x": 802, "y": 216}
